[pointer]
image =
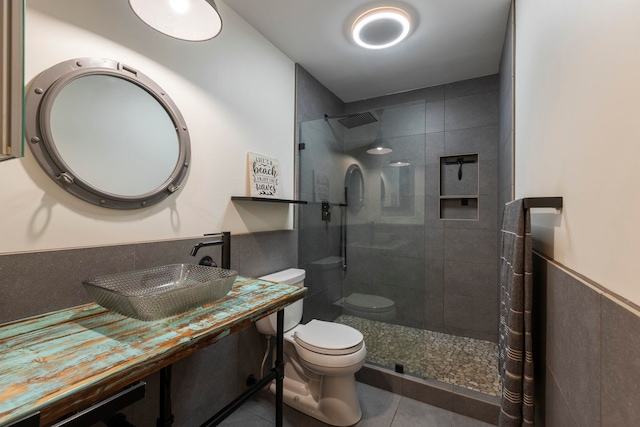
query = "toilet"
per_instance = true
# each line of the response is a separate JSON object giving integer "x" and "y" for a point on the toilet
{"x": 320, "y": 361}
{"x": 328, "y": 272}
{"x": 373, "y": 307}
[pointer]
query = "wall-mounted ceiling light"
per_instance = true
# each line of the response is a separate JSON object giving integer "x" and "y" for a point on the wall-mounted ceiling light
{"x": 191, "y": 20}
{"x": 381, "y": 27}
{"x": 379, "y": 149}
{"x": 399, "y": 163}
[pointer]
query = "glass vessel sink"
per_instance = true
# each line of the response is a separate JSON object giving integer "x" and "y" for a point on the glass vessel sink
{"x": 159, "y": 292}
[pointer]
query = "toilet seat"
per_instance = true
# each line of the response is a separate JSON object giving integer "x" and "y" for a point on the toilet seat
{"x": 368, "y": 303}
{"x": 328, "y": 338}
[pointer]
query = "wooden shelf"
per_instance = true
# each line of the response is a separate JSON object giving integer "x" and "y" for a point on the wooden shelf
{"x": 266, "y": 199}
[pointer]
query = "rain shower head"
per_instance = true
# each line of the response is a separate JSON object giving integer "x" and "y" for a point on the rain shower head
{"x": 354, "y": 120}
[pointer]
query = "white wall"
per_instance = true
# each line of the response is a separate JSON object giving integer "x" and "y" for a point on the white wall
{"x": 578, "y": 133}
{"x": 236, "y": 93}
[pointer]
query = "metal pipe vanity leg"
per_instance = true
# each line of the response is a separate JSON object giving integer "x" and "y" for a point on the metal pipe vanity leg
{"x": 166, "y": 417}
{"x": 279, "y": 367}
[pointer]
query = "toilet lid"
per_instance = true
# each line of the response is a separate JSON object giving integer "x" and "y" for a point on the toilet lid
{"x": 365, "y": 302}
{"x": 328, "y": 338}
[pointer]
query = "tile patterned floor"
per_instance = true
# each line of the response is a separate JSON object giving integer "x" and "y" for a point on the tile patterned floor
{"x": 380, "y": 408}
{"x": 467, "y": 362}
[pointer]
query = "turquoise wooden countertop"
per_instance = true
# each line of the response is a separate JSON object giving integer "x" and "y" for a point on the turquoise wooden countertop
{"x": 64, "y": 361}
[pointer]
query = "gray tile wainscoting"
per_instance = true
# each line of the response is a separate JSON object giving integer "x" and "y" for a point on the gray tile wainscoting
{"x": 620, "y": 363}
{"x": 587, "y": 369}
{"x": 40, "y": 282}
{"x": 58, "y": 274}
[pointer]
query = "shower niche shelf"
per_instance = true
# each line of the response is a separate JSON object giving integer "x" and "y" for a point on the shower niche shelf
{"x": 266, "y": 200}
{"x": 459, "y": 183}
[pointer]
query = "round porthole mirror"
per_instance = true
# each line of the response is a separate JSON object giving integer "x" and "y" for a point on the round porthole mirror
{"x": 107, "y": 133}
{"x": 354, "y": 183}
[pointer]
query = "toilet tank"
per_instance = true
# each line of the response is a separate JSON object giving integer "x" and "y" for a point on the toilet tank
{"x": 292, "y": 313}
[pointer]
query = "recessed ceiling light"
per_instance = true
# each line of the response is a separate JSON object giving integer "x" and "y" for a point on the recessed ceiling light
{"x": 191, "y": 20}
{"x": 381, "y": 27}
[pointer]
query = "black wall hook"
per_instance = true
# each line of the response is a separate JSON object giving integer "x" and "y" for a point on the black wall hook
{"x": 460, "y": 161}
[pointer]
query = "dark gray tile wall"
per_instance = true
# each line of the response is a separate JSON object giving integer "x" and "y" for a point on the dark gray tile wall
{"x": 476, "y": 86}
{"x": 587, "y": 369}
{"x": 506, "y": 179}
{"x": 454, "y": 119}
{"x": 481, "y": 140}
{"x": 313, "y": 100}
{"x": 469, "y": 247}
{"x": 428, "y": 95}
{"x": 40, "y": 282}
{"x": 471, "y": 111}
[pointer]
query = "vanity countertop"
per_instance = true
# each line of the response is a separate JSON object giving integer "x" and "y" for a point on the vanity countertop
{"x": 63, "y": 361}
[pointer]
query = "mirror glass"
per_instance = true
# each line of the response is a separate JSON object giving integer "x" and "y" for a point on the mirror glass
{"x": 11, "y": 52}
{"x": 107, "y": 133}
{"x": 126, "y": 148}
{"x": 354, "y": 183}
{"x": 397, "y": 196}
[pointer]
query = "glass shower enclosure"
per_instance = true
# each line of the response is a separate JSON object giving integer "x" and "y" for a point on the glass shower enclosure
{"x": 371, "y": 240}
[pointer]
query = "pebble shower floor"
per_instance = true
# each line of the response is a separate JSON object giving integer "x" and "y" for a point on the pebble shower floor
{"x": 467, "y": 362}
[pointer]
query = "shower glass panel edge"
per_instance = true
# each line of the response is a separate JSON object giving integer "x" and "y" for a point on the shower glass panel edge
{"x": 392, "y": 290}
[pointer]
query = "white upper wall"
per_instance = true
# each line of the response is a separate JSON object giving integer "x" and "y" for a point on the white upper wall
{"x": 578, "y": 133}
{"x": 236, "y": 93}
